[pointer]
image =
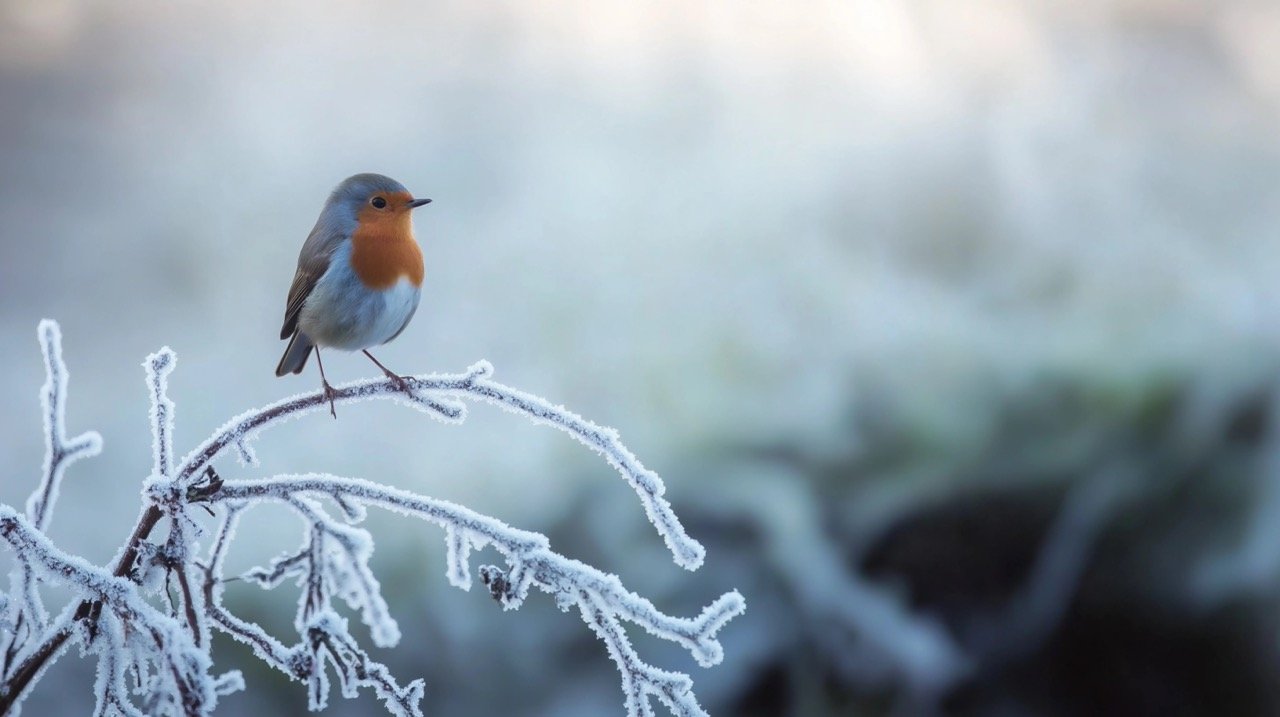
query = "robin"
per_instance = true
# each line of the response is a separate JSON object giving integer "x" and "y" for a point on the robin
{"x": 359, "y": 276}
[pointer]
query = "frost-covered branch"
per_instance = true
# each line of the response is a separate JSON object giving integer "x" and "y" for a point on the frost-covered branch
{"x": 438, "y": 395}
{"x": 167, "y": 493}
{"x": 59, "y": 451}
{"x": 153, "y": 663}
{"x": 181, "y": 684}
{"x": 23, "y": 618}
{"x": 530, "y": 563}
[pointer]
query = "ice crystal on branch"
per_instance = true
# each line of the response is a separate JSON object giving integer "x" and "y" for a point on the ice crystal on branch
{"x": 147, "y": 618}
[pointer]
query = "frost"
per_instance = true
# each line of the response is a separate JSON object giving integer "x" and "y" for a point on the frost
{"x": 245, "y": 453}
{"x": 159, "y": 365}
{"x": 228, "y": 683}
{"x": 113, "y": 696}
{"x": 152, "y": 569}
{"x": 339, "y": 554}
{"x": 59, "y": 452}
{"x": 458, "y": 550}
{"x": 155, "y": 660}
{"x": 180, "y": 683}
{"x": 354, "y": 511}
{"x": 440, "y": 395}
{"x": 22, "y": 620}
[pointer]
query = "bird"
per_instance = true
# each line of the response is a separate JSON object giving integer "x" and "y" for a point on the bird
{"x": 359, "y": 276}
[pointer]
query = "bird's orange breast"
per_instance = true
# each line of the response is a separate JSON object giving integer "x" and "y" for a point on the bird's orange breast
{"x": 383, "y": 249}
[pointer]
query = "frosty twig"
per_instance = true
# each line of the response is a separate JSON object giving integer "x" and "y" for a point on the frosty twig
{"x": 166, "y": 657}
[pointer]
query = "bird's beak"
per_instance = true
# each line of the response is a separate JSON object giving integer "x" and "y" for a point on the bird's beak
{"x": 415, "y": 203}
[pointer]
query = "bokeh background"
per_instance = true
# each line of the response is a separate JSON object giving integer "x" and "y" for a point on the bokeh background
{"x": 952, "y": 327}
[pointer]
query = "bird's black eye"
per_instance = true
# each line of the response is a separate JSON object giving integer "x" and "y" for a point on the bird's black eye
{"x": 378, "y": 202}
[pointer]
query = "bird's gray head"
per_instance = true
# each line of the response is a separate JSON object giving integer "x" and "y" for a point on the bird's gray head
{"x": 370, "y": 194}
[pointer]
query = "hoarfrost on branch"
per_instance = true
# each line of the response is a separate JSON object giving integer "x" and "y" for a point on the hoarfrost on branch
{"x": 154, "y": 655}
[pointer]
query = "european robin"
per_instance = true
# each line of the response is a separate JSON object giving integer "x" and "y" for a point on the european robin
{"x": 359, "y": 276}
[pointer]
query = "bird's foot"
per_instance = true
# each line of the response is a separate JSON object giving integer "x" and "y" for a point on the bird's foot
{"x": 330, "y": 394}
{"x": 401, "y": 382}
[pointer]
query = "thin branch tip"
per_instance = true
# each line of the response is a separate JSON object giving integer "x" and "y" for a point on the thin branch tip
{"x": 162, "y": 362}
{"x": 481, "y": 369}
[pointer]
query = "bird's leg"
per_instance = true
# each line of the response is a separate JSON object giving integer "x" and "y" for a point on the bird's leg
{"x": 329, "y": 393}
{"x": 399, "y": 380}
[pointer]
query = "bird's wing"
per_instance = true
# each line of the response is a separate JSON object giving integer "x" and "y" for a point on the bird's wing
{"x": 313, "y": 261}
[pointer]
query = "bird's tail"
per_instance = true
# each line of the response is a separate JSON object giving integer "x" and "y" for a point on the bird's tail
{"x": 296, "y": 355}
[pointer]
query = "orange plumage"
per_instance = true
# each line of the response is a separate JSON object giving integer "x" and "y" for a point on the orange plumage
{"x": 383, "y": 248}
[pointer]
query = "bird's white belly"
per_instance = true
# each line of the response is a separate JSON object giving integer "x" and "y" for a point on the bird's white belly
{"x": 343, "y": 313}
{"x": 398, "y": 304}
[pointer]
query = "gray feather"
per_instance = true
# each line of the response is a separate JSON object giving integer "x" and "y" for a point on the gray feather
{"x": 295, "y": 355}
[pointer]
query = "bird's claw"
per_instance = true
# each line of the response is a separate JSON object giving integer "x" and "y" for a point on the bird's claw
{"x": 400, "y": 381}
{"x": 331, "y": 394}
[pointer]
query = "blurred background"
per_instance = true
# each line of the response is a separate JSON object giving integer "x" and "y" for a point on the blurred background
{"x": 952, "y": 327}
